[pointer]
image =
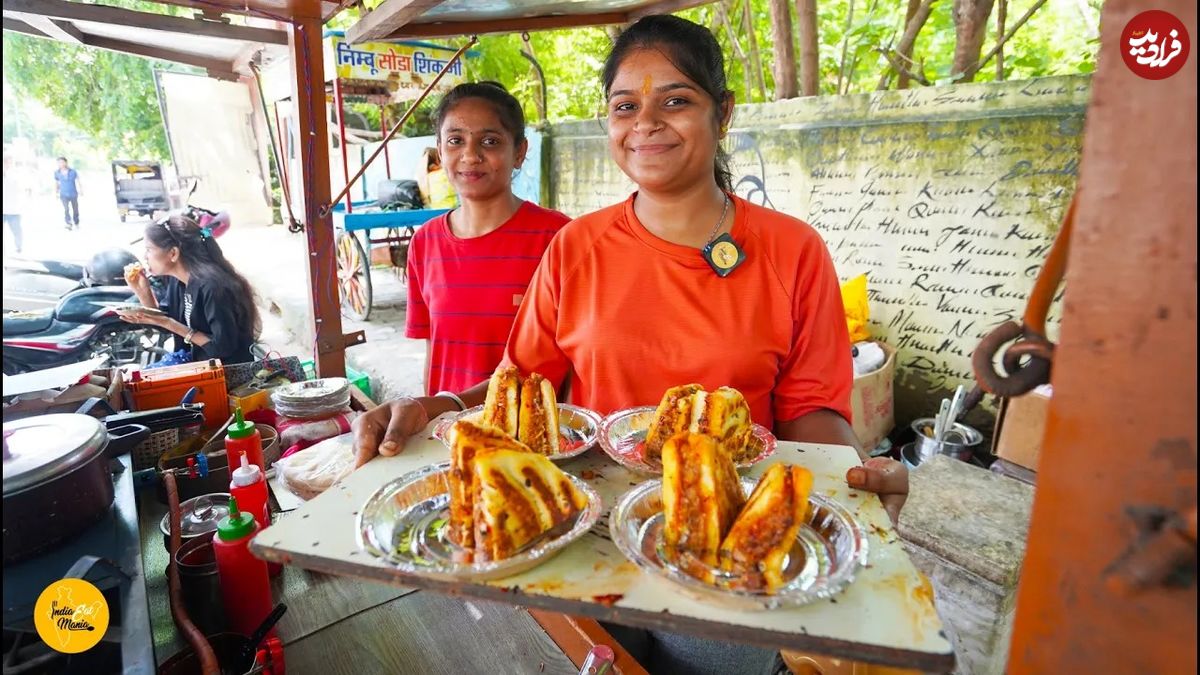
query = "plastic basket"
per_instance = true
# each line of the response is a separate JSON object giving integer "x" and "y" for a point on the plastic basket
{"x": 145, "y": 455}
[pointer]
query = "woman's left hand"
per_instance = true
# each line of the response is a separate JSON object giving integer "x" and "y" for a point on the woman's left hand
{"x": 886, "y": 478}
{"x": 138, "y": 316}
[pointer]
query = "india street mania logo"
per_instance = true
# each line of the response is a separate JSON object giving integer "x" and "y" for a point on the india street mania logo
{"x": 71, "y": 616}
{"x": 1155, "y": 45}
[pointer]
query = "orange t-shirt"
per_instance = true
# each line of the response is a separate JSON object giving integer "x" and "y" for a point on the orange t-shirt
{"x": 628, "y": 315}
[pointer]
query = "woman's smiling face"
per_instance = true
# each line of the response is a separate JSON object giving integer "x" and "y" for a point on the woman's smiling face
{"x": 663, "y": 129}
{"x": 476, "y": 151}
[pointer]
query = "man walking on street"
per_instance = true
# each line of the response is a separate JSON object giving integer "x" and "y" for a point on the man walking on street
{"x": 66, "y": 186}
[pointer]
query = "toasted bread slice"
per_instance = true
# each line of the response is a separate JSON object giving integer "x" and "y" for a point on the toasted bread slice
{"x": 671, "y": 417}
{"x": 764, "y": 533}
{"x": 519, "y": 496}
{"x": 724, "y": 415}
{"x": 502, "y": 406}
{"x": 701, "y": 495}
{"x": 538, "y": 421}
{"x": 467, "y": 440}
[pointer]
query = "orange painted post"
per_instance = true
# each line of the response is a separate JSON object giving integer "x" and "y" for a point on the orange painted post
{"x": 1109, "y": 580}
{"x": 329, "y": 350}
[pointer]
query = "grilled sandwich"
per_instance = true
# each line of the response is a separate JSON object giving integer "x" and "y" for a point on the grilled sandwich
{"x": 724, "y": 415}
{"x": 672, "y": 416}
{"x": 538, "y": 420}
{"x": 467, "y": 441}
{"x": 764, "y": 533}
{"x": 519, "y": 495}
{"x": 701, "y": 496}
{"x": 502, "y": 406}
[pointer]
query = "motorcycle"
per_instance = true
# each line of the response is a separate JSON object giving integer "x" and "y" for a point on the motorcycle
{"x": 84, "y": 323}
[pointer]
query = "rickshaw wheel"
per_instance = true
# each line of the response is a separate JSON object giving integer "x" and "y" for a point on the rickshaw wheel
{"x": 354, "y": 277}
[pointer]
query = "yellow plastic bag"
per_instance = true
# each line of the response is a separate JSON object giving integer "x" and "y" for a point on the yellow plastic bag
{"x": 441, "y": 192}
{"x": 854, "y": 298}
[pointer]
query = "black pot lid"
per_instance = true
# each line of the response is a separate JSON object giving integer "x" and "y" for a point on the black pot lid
{"x": 39, "y": 449}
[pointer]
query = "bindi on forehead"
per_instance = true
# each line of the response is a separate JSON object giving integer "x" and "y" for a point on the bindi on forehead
{"x": 647, "y": 85}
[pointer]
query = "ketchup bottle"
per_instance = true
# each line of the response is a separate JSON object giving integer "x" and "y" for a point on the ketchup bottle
{"x": 245, "y": 587}
{"x": 249, "y": 488}
{"x": 243, "y": 438}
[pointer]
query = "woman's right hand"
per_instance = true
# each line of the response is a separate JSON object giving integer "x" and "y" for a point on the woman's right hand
{"x": 383, "y": 430}
{"x": 136, "y": 278}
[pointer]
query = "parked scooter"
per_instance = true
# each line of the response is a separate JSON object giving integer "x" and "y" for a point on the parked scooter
{"x": 84, "y": 323}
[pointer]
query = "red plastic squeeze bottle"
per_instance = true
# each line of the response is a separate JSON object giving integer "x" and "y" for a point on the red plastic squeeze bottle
{"x": 245, "y": 587}
{"x": 242, "y": 438}
{"x": 249, "y": 487}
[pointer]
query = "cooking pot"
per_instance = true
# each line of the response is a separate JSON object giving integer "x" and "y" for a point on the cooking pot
{"x": 198, "y": 518}
{"x": 57, "y": 480}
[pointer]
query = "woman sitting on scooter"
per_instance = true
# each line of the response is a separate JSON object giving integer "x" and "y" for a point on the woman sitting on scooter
{"x": 205, "y": 300}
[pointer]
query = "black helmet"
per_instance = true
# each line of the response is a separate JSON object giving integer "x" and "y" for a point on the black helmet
{"x": 107, "y": 268}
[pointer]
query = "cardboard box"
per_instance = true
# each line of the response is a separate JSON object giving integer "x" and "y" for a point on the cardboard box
{"x": 1020, "y": 425}
{"x": 872, "y": 401}
{"x": 72, "y": 398}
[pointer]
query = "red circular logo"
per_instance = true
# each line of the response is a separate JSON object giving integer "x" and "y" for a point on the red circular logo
{"x": 1155, "y": 45}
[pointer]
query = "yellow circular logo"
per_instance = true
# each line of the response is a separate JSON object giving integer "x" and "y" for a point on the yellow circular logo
{"x": 724, "y": 254}
{"x": 71, "y": 615}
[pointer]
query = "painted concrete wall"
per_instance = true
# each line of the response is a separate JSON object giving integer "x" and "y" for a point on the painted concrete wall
{"x": 947, "y": 197}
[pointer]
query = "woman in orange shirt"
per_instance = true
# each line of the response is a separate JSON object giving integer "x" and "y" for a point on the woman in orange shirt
{"x": 682, "y": 282}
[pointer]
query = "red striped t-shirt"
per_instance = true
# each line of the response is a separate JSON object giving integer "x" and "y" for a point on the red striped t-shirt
{"x": 464, "y": 293}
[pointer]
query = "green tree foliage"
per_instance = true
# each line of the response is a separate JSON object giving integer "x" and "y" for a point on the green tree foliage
{"x": 111, "y": 97}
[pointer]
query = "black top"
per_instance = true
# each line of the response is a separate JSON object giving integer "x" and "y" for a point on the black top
{"x": 198, "y": 306}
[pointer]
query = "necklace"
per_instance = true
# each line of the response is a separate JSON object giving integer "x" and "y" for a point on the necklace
{"x": 722, "y": 253}
{"x": 713, "y": 234}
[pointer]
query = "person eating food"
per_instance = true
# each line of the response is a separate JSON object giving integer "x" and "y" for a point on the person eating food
{"x": 683, "y": 282}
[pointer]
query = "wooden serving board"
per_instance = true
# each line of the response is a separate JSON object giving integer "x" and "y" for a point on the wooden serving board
{"x": 885, "y": 616}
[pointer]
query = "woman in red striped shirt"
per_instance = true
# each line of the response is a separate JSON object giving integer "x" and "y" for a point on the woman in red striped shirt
{"x": 468, "y": 269}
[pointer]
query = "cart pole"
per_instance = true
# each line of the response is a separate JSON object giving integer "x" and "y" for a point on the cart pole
{"x": 341, "y": 118}
{"x": 312, "y": 127}
{"x": 387, "y": 161}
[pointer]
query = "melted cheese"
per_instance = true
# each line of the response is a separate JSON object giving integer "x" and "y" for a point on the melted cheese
{"x": 538, "y": 423}
{"x": 467, "y": 441}
{"x": 519, "y": 495}
{"x": 502, "y": 405}
{"x": 701, "y": 495}
{"x": 672, "y": 416}
{"x": 764, "y": 533}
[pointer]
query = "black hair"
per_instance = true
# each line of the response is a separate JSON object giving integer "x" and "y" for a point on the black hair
{"x": 694, "y": 51}
{"x": 200, "y": 253}
{"x": 62, "y": 159}
{"x": 507, "y": 107}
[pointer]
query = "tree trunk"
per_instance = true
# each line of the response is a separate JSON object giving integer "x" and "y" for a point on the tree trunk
{"x": 784, "y": 66}
{"x": 913, "y": 5}
{"x": 755, "y": 56}
{"x": 970, "y": 28}
{"x": 911, "y": 30}
{"x": 1001, "y": 12}
{"x": 810, "y": 64}
{"x": 845, "y": 46}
